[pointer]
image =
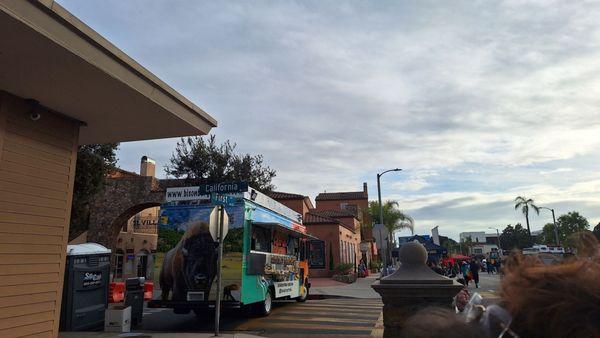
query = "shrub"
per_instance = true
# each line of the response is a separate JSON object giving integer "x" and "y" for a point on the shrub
{"x": 375, "y": 265}
{"x": 345, "y": 268}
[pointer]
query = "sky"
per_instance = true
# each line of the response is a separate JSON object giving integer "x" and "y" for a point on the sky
{"x": 477, "y": 101}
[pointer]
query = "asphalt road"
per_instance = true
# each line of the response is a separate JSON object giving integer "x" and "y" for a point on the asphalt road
{"x": 489, "y": 287}
{"x": 331, "y": 317}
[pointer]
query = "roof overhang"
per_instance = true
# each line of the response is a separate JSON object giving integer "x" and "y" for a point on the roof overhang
{"x": 48, "y": 55}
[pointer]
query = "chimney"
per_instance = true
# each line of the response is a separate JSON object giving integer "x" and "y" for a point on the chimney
{"x": 147, "y": 167}
{"x": 365, "y": 188}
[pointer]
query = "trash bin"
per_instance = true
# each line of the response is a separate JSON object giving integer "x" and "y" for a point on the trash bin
{"x": 134, "y": 297}
{"x": 85, "y": 288}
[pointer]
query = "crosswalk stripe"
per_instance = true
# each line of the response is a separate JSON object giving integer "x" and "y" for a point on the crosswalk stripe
{"x": 368, "y": 321}
{"x": 321, "y": 322}
{"x": 337, "y": 315}
{"x": 315, "y": 332}
{"x": 337, "y": 308}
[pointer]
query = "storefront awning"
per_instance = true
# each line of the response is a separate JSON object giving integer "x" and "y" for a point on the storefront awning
{"x": 286, "y": 229}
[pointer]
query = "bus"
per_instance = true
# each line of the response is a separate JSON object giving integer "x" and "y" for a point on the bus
{"x": 265, "y": 255}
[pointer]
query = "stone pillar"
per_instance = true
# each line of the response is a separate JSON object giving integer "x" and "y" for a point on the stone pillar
{"x": 412, "y": 287}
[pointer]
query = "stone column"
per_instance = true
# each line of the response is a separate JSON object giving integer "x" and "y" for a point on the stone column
{"x": 412, "y": 287}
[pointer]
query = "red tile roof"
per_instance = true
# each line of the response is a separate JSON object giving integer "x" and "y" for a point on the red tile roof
{"x": 334, "y": 213}
{"x": 279, "y": 195}
{"x": 334, "y": 196}
{"x": 313, "y": 218}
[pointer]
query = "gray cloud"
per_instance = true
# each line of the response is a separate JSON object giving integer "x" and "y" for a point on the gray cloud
{"x": 485, "y": 95}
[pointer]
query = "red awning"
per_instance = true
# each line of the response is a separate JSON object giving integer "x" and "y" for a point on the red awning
{"x": 460, "y": 257}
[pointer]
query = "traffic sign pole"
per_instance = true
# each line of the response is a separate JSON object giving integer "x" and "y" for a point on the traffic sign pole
{"x": 219, "y": 259}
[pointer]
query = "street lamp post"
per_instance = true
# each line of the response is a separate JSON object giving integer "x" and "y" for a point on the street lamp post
{"x": 554, "y": 222}
{"x": 381, "y": 208}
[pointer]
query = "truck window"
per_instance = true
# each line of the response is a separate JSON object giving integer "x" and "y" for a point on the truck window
{"x": 261, "y": 239}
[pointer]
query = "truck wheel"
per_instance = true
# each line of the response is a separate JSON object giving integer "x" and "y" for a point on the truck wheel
{"x": 303, "y": 294}
{"x": 264, "y": 308}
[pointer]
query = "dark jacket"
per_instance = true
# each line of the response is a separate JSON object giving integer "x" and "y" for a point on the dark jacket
{"x": 474, "y": 267}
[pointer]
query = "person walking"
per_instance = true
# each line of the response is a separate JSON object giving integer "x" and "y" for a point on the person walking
{"x": 490, "y": 266}
{"x": 465, "y": 272}
{"x": 474, "y": 269}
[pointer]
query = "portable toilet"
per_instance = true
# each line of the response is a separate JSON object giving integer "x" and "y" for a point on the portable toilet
{"x": 85, "y": 290}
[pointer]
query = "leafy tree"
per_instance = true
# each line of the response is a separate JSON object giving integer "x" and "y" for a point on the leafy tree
{"x": 465, "y": 245}
{"x": 94, "y": 162}
{"x": 597, "y": 231}
{"x": 569, "y": 224}
{"x": 514, "y": 237}
{"x": 207, "y": 161}
{"x": 450, "y": 244}
{"x": 547, "y": 235}
{"x": 524, "y": 204}
{"x": 393, "y": 218}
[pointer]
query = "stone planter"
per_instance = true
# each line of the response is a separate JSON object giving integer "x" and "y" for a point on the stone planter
{"x": 350, "y": 278}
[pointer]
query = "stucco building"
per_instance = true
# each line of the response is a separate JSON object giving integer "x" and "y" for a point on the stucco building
{"x": 338, "y": 224}
{"x": 62, "y": 85}
{"x": 356, "y": 202}
{"x": 340, "y": 233}
{"x": 481, "y": 243}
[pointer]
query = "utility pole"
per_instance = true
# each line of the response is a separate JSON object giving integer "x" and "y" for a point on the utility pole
{"x": 555, "y": 227}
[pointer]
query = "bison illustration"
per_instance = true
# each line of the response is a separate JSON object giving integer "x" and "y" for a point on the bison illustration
{"x": 190, "y": 265}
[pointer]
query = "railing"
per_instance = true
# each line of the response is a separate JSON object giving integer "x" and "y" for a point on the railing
{"x": 146, "y": 228}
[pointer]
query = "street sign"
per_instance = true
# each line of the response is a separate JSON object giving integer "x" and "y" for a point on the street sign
{"x": 222, "y": 199}
{"x": 213, "y": 225}
{"x": 224, "y": 188}
{"x": 364, "y": 247}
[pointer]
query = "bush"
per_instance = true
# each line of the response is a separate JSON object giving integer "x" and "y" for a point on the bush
{"x": 345, "y": 268}
{"x": 375, "y": 265}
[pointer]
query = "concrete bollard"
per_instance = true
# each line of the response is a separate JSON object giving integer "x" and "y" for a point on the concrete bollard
{"x": 412, "y": 287}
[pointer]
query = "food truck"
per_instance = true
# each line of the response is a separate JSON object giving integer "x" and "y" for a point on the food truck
{"x": 265, "y": 253}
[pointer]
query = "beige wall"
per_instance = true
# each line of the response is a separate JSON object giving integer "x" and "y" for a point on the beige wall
{"x": 37, "y": 167}
{"x": 140, "y": 237}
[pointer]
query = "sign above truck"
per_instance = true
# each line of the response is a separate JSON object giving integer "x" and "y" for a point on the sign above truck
{"x": 203, "y": 192}
{"x": 224, "y": 188}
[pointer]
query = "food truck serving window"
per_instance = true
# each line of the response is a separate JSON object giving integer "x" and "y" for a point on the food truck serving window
{"x": 261, "y": 239}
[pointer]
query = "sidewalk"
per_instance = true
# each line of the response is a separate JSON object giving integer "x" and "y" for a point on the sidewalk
{"x": 359, "y": 289}
{"x": 150, "y": 335}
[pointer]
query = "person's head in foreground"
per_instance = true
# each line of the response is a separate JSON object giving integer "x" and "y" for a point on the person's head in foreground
{"x": 537, "y": 300}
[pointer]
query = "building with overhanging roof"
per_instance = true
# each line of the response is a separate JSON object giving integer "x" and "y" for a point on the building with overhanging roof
{"x": 340, "y": 233}
{"x": 299, "y": 203}
{"x": 62, "y": 85}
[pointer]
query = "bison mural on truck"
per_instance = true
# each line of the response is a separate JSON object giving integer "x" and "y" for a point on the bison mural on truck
{"x": 191, "y": 265}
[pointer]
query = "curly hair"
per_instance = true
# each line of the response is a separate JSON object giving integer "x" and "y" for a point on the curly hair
{"x": 559, "y": 300}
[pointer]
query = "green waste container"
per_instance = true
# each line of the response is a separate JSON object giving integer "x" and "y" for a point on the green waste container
{"x": 85, "y": 289}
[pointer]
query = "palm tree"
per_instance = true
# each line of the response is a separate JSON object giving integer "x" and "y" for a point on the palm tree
{"x": 524, "y": 204}
{"x": 393, "y": 218}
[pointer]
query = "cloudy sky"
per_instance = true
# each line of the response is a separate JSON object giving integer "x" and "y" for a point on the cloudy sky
{"x": 477, "y": 101}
